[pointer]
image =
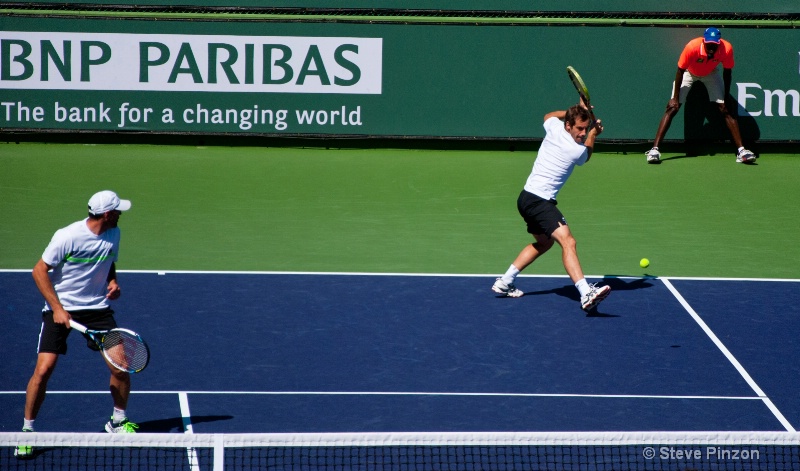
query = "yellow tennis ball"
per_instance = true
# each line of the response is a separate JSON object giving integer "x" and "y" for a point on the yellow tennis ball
{"x": 644, "y": 263}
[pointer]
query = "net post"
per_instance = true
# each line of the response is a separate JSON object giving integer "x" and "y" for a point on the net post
{"x": 219, "y": 452}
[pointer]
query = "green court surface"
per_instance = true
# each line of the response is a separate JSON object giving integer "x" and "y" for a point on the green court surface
{"x": 403, "y": 211}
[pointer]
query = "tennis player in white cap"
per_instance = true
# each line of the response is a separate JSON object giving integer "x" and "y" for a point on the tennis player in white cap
{"x": 77, "y": 278}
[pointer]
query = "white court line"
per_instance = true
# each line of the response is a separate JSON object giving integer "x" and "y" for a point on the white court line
{"x": 185, "y": 410}
{"x": 186, "y": 418}
{"x": 186, "y": 415}
{"x": 749, "y": 379}
{"x": 466, "y": 275}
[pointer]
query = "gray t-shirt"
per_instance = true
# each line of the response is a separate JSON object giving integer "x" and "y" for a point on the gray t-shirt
{"x": 81, "y": 261}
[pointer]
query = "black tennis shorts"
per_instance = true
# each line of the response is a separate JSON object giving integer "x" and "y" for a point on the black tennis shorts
{"x": 53, "y": 337}
{"x": 541, "y": 215}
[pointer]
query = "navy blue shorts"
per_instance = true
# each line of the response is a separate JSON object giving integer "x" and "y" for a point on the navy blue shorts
{"x": 541, "y": 215}
{"x": 53, "y": 337}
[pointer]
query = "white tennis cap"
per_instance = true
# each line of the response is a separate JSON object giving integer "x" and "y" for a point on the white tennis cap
{"x": 105, "y": 201}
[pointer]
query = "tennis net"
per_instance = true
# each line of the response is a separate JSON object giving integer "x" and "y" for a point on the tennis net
{"x": 617, "y": 451}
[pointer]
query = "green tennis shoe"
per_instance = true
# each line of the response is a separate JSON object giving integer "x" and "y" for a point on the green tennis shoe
{"x": 126, "y": 426}
{"x": 24, "y": 452}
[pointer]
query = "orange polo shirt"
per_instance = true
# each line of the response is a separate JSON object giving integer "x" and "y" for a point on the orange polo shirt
{"x": 696, "y": 61}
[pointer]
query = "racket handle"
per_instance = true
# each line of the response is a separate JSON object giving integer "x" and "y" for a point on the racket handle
{"x": 79, "y": 327}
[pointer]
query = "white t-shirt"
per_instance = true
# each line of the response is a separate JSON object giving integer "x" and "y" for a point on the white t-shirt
{"x": 81, "y": 261}
{"x": 557, "y": 157}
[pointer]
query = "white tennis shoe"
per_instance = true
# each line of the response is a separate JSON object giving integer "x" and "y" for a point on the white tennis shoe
{"x": 594, "y": 296}
{"x": 745, "y": 157}
{"x": 653, "y": 156}
{"x": 509, "y": 290}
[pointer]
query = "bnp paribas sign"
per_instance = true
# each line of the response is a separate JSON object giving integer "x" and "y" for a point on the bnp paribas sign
{"x": 204, "y": 83}
{"x": 197, "y": 63}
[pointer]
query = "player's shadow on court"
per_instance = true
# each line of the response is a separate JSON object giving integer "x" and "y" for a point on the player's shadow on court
{"x": 618, "y": 284}
{"x": 175, "y": 424}
{"x": 627, "y": 283}
{"x": 567, "y": 291}
{"x": 705, "y": 131}
{"x": 614, "y": 281}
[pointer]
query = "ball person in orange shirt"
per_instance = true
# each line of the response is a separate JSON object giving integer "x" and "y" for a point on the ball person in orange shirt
{"x": 699, "y": 63}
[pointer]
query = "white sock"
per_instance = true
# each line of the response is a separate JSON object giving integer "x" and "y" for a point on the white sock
{"x": 739, "y": 149}
{"x": 511, "y": 275}
{"x": 118, "y": 416}
{"x": 27, "y": 424}
{"x": 583, "y": 287}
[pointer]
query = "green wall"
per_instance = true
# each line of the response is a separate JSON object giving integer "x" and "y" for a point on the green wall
{"x": 491, "y": 82}
{"x": 738, "y": 6}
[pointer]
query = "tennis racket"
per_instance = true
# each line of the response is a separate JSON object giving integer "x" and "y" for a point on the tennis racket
{"x": 580, "y": 86}
{"x": 123, "y": 348}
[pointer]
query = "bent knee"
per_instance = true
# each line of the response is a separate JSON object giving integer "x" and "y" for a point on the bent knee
{"x": 543, "y": 246}
{"x": 45, "y": 365}
{"x": 566, "y": 240}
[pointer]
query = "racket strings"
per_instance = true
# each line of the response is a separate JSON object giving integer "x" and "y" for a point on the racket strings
{"x": 126, "y": 351}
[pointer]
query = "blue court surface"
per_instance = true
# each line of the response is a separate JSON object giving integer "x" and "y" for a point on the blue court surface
{"x": 293, "y": 352}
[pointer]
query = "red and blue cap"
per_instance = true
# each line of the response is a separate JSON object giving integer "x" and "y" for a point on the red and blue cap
{"x": 712, "y": 35}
